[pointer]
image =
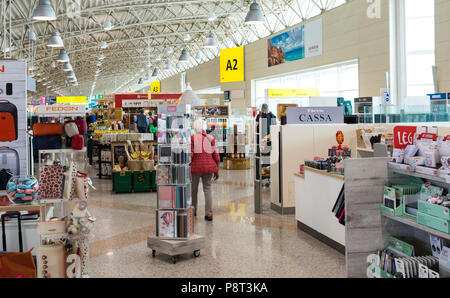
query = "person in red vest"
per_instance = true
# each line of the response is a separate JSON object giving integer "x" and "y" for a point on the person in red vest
{"x": 205, "y": 162}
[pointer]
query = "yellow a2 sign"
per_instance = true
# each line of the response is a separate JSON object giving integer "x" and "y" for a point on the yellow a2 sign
{"x": 232, "y": 65}
{"x": 155, "y": 87}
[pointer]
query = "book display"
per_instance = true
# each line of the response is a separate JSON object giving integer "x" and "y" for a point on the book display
{"x": 175, "y": 213}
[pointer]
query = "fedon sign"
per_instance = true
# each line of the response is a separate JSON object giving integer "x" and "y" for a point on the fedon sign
{"x": 62, "y": 109}
{"x": 404, "y": 136}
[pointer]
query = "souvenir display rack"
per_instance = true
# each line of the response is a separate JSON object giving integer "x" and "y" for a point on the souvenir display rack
{"x": 77, "y": 223}
{"x": 174, "y": 214}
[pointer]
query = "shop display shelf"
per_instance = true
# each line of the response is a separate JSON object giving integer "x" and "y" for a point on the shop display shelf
{"x": 53, "y": 201}
{"x": 420, "y": 175}
{"x": 414, "y": 224}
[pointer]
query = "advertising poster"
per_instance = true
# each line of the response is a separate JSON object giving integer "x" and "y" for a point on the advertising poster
{"x": 296, "y": 44}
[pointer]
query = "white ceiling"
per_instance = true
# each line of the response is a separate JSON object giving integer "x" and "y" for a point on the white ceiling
{"x": 162, "y": 23}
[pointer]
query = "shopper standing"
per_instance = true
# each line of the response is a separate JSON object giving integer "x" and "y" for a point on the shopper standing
{"x": 142, "y": 122}
{"x": 205, "y": 162}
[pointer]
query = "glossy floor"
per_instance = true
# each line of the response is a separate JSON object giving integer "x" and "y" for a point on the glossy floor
{"x": 238, "y": 242}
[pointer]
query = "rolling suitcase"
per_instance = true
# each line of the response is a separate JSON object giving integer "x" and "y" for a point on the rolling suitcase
{"x": 47, "y": 129}
{"x": 8, "y": 121}
{"x": 82, "y": 125}
{"x": 47, "y": 142}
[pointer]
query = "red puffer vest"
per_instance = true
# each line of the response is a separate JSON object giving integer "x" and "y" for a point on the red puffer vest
{"x": 204, "y": 154}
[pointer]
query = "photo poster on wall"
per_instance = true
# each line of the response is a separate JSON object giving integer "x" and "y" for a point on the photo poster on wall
{"x": 13, "y": 117}
{"x": 298, "y": 43}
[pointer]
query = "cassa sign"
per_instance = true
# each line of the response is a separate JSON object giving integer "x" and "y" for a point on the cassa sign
{"x": 404, "y": 136}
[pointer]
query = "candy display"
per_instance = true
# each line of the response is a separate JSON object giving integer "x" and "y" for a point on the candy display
{"x": 22, "y": 190}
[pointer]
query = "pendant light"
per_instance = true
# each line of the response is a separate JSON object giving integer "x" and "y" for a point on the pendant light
{"x": 67, "y": 67}
{"x": 155, "y": 73}
{"x": 210, "y": 41}
{"x": 55, "y": 41}
{"x": 62, "y": 57}
{"x": 107, "y": 26}
{"x": 167, "y": 65}
{"x": 212, "y": 17}
{"x": 254, "y": 15}
{"x": 190, "y": 98}
{"x": 103, "y": 45}
{"x": 186, "y": 37}
{"x": 184, "y": 56}
{"x": 44, "y": 11}
{"x": 70, "y": 74}
{"x": 32, "y": 35}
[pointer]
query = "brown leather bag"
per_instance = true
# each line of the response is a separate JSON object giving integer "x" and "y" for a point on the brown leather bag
{"x": 17, "y": 265}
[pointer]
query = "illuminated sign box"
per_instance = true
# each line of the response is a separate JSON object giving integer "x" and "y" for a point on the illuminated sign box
{"x": 284, "y": 93}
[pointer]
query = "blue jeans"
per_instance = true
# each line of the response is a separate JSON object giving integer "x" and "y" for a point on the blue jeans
{"x": 142, "y": 129}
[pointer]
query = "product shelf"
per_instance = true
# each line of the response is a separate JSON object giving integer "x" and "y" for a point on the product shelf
{"x": 416, "y": 225}
{"x": 420, "y": 175}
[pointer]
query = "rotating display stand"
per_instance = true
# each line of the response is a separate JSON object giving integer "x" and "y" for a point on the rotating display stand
{"x": 175, "y": 213}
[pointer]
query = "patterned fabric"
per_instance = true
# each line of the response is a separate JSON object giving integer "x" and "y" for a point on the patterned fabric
{"x": 204, "y": 154}
{"x": 51, "y": 182}
{"x": 163, "y": 175}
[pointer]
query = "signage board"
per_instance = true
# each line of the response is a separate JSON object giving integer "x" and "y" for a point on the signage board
{"x": 58, "y": 109}
{"x": 285, "y": 93}
{"x": 315, "y": 115}
{"x": 155, "y": 87}
{"x": 404, "y": 136}
{"x": 72, "y": 99}
{"x": 232, "y": 65}
{"x": 385, "y": 94}
{"x": 136, "y": 103}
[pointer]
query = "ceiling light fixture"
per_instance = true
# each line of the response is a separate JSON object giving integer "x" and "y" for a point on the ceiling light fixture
{"x": 210, "y": 41}
{"x": 67, "y": 67}
{"x": 155, "y": 73}
{"x": 212, "y": 17}
{"x": 70, "y": 74}
{"x": 55, "y": 41}
{"x": 254, "y": 15}
{"x": 103, "y": 44}
{"x": 184, "y": 56}
{"x": 53, "y": 65}
{"x": 62, "y": 57}
{"x": 107, "y": 26}
{"x": 167, "y": 65}
{"x": 44, "y": 11}
{"x": 187, "y": 37}
{"x": 32, "y": 35}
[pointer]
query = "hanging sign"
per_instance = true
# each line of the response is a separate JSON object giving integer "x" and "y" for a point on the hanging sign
{"x": 155, "y": 87}
{"x": 316, "y": 115}
{"x": 72, "y": 99}
{"x": 305, "y": 92}
{"x": 232, "y": 65}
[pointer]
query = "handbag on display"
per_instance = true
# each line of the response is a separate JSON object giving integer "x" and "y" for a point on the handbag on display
{"x": 52, "y": 227}
{"x": 17, "y": 265}
{"x": 47, "y": 129}
{"x": 52, "y": 181}
{"x": 70, "y": 180}
{"x": 82, "y": 186}
{"x": 82, "y": 125}
{"x": 51, "y": 261}
{"x": 78, "y": 142}
{"x": 71, "y": 129}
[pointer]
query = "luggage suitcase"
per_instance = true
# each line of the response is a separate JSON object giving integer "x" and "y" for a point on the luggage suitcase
{"x": 47, "y": 129}
{"x": 8, "y": 121}
{"x": 47, "y": 143}
{"x": 9, "y": 159}
{"x": 71, "y": 129}
{"x": 82, "y": 125}
{"x": 78, "y": 142}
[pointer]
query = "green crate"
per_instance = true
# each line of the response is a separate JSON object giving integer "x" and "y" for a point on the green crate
{"x": 122, "y": 182}
{"x": 141, "y": 181}
{"x": 434, "y": 210}
{"x": 433, "y": 222}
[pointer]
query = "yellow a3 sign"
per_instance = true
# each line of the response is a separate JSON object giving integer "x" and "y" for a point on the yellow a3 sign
{"x": 232, "y": 65}
{"x": 155, "y": 87}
